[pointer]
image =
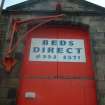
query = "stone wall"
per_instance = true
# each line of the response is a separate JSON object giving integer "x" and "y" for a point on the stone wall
{"x": 9, "y": 82}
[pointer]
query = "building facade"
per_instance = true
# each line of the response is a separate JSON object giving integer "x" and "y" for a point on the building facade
{"x": 78, "y": 12}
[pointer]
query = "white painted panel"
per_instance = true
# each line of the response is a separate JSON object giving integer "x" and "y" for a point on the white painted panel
{"x": 57, "y": 50}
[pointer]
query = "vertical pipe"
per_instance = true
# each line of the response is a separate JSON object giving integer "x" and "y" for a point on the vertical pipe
{"x": 1, "y": 6}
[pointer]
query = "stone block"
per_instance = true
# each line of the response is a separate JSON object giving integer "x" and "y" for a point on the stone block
{"x": 100, "y": 58}
{"x": 3, "y": 93}
{"x": 99, "y": 50}
{"x": 101, "y": 87}
{"x": 15, "y": 72}
{"x": 100, "y": 65}
{"x": 97, "y": 18}
{"x": 100, "y": 74}
{"x": 100, "y": 42}
{"x": 13, "y": 82}
{"x": 7, "y": 102}
{"x": 85, "y": 20}
{"x": 10, "y": 83}
{"x": 98, "y": 35}
{"x": 12, "y": 92}
{"x": 92, "y": 30}
{"x": 100, "y": 28}
{"x": 102, "y": 100}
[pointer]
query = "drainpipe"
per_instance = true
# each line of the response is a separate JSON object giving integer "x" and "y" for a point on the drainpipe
{"x": 1, "y": 6}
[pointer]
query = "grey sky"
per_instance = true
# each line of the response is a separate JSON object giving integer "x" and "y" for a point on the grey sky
{"x": 98, "y": 2}
{"x": 12, "y": 2}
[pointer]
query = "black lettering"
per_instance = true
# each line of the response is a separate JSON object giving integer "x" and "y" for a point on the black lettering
{"x": 49, "y": 56}
{"x": 50, "y": 50}
{"x": 45, "y": 42}
{"x": 44, "y": 56}
{"x": 60, "y": 50}
{"x": 53, "y": 42}
{"x": 62, "y": 43}
{"x": 79, "y": 57}
{"x": 54, "y": 57}
{"x": 71, "y": 43}
{"x": 38, "y": 56}
{"x": 64, "y": 57}
{"x": 69, "y": 57}
{"x": 36, "y": 49}
{"x": 74, "y": 57}
{"x": 69, "y": 50}
{"x": 78, "y": 50}
{"x": 43, "y": 50}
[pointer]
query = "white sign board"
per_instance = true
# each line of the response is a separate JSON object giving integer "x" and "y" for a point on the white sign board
{"x": 57, "y": 50}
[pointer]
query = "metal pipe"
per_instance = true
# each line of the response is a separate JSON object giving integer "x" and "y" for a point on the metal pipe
{"x": 1, "y": 6}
